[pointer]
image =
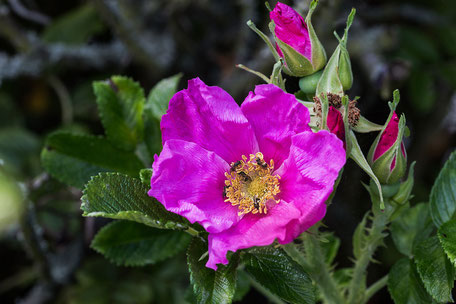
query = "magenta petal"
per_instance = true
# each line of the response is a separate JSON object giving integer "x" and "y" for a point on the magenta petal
{"x": 275, "y": 116}
{"x": 388, "y": 138}
{"x": 308, "y": 174}
{"x": 210, "y": 117}
{"x": 291, "y": 28}
{"x": 253, "y": 230}
{"x": 189, "y": 180}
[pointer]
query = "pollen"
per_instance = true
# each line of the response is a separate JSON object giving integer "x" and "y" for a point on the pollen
{"x": 251, "y": 185}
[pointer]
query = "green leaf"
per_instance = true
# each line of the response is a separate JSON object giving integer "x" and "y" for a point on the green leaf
{"x": 436, "y": 271}
{"x": 404, "y": 284}
{"x": 447, "y": 237}
{"x": 133, "y": 244}
{"x": 280, "y": 274}
{"x": 75, "y": 27}
{"x": 160, "y": 95}
{"x": 118, "y": 196}
{"x": 120, "y": 103}
{"x": 329, "y": 245}
{"x": 74, "y": 158}
{"x": 360, "y": 237}
{"x": 211, "y": 286}
{"x": 366, "y": 126}
{"x": 242, "y": 285}
{"x": 411, "y": 227}
{"x": 443, "y": 193}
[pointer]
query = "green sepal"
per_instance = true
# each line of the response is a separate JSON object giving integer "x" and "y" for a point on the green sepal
{"x": 366, "y": 126}
{"x": 337, "y": 75}
{"x": 405, "y": 190}
{"x": 357, "y": 155}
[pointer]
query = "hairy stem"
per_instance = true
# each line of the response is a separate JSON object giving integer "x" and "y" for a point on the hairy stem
{"x": 375, "y": 236}
{"x": 374, "y": 288}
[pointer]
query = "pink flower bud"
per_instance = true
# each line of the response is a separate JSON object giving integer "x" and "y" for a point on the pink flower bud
{"x": 387, "y": 155}
{"x": 335, "y": 123}
{"x": 296, "y": 40}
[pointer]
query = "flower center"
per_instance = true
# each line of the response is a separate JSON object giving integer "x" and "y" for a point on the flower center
{"x": 250, "y": 185}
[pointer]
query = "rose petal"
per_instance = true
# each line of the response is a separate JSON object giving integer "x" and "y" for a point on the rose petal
{"x": 309, "y": 173}
{"x": 275, "y": 116}
{"x": 189, "y": 180}
{"x": 253, "y": 230}
{"x": 211, "y": 118}
{"x": 291, "y": 28}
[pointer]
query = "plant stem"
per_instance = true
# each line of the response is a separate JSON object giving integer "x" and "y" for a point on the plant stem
{"x": 269, "y": 295}
{"x": 320, "y": 272}
{"x": 356, "y": 291}
{"x": 374, "y": 288}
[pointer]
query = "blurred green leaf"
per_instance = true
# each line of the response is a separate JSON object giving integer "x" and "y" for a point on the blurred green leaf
{"x": 417, "y": 45}
{"x": 76, "y": 27}
{"x": 330, "y": 246}
{"x": 134, "y": 244}
{"x": 120, "y": 103}
{"x": 436, "y": 271}
{"x": 447, "y": 237}
{"x": 242, "y": 286}
{"x": 422, "y": 90}
{"x": 280, "y": 274}
{"x": 404, "y": 284}
{"x": 74, "y": 158}
{"x": 211, "y": 286}
{"x": 118, "y": 196}
{"x": 160, "y": 95}
{"x": 443, "y": 194}
{"x": 19, "y": 150}
{"x": 411, "y": 227}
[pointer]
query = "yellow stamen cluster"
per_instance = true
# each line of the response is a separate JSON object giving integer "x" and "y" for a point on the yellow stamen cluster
{"x": 250, "y": 184}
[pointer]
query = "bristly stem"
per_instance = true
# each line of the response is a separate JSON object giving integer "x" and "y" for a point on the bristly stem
{"x": 314, "y": 263}
{"x": 356, "y": 291}
{"x": 374, "y": 288}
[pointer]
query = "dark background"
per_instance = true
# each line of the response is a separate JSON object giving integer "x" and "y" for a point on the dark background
{"x": 51, "y": 51}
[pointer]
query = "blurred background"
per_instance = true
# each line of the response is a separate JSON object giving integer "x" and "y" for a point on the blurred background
{"x": 51, "y": 51}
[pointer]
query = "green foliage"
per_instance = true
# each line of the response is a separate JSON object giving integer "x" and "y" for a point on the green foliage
{"x": 75, "y": 27}
{"x": 330, "y": 246}
{"x": 436, "y": 271}
{"x": 443, "y": 193}
{"x": 156, "y": 106}
{"x": 18, "y": 149}
{"x": 211, "y": 286}
{"x": 120, "y": 103}
{"x": 74, "y": 158}
{"x": 242, "y": 285}
{"x": 447, "y": 237}
{"x": 118, "y": 196}
{"x": 360, "y": 237}
{"x": 411, "y": 227}
{"x": 280, "y": 274}
{"x": 404, "y": 284}
{"x": 133, "y": 244}
{"x": 160, "y": 95}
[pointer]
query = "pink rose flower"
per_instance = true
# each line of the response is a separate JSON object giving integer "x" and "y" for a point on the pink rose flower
{"x": 249, "y": 175}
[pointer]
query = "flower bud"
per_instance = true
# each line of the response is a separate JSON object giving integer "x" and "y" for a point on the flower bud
{"x": 296, "y": 40}
{"x": 387, "y": 155}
